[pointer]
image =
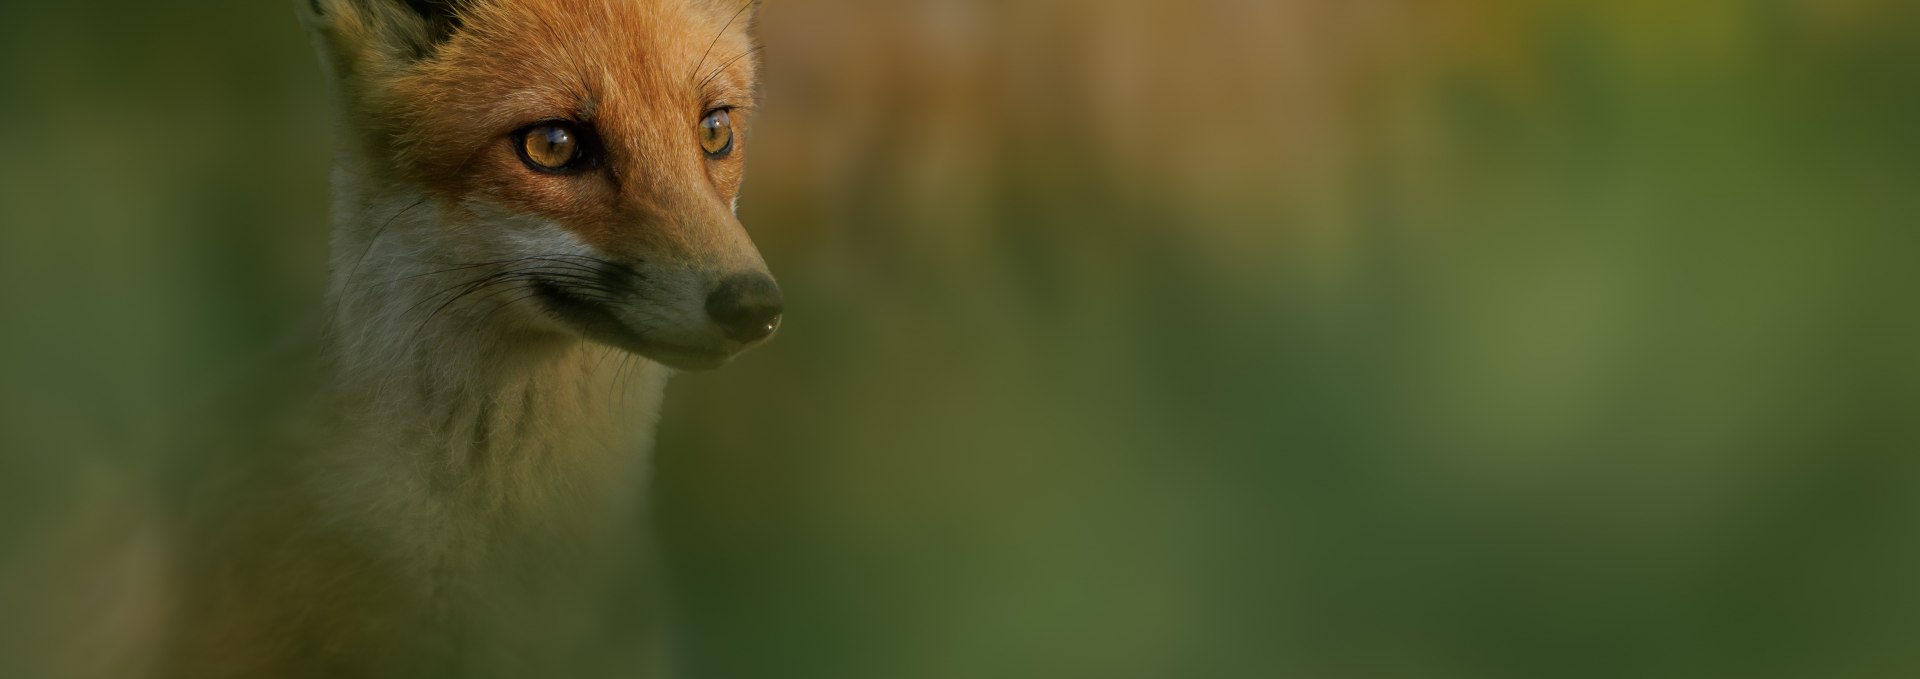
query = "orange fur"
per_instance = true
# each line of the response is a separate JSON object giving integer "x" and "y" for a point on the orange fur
{"x": 452, "y": 505}
{"x": 641, "y": 73}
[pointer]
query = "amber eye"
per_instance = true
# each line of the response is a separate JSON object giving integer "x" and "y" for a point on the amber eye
{"x": 716, "y": 134}
{"x": 551, "y": 147}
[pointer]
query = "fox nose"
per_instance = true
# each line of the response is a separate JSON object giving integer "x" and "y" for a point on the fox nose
{"x": 746, "y": 306}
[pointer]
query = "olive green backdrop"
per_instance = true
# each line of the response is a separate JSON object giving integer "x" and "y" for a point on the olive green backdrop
{"x": 1143, "y": 339}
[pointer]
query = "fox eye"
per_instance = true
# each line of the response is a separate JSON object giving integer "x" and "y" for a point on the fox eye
{"x": 716, "y": 134}
{"x": 551, "y": 147}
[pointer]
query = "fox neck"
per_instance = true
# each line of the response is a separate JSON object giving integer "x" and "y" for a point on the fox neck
{"x": 455, "y": 427}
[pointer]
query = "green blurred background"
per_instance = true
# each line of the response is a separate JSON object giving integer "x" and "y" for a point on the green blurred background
{"x": 1142, "y": 338}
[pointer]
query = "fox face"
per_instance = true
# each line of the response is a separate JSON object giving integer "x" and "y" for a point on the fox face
{"x": 581, "y": 158}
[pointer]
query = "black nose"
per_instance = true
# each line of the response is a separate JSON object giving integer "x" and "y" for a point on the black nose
{"x": 747, "y": 307}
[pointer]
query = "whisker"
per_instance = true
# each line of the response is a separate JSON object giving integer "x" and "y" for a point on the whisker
{"x": 723, "y": 67}
{"x": 625, "y": 376}
{"x": 717, "y": 37}
{"x": 556, "y": 259}
{"x": 588, "y": 287}
{"x": 375, "y": 240}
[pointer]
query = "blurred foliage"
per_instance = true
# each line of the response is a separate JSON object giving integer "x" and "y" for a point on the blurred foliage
{"x": 1141, "y": 338}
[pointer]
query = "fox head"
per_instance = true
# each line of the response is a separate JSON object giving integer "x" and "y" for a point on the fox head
{"x": 580, "y": 159}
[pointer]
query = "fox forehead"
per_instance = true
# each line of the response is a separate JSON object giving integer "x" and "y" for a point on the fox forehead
{"x": 640, "y": 71}
{"x": 640, "y": 74}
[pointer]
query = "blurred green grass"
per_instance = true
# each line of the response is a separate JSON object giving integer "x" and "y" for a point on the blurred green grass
{"x": 1148, "y": 339}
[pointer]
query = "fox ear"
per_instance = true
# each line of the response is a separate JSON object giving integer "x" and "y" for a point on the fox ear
{"x": 405, "y": 28}
{"x": 442, "y": 17}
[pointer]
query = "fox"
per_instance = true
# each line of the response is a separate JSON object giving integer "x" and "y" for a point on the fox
{"x": 533, "y": 227}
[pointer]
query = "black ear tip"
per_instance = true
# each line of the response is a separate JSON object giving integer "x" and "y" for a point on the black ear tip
{"x": 434, "y": 9}
{"x": 443, "y": 16}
